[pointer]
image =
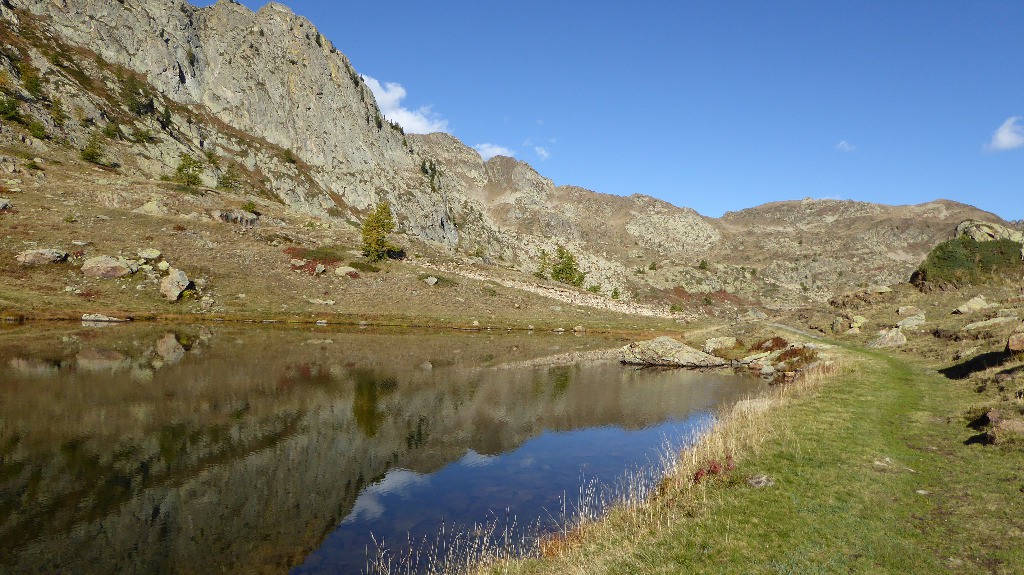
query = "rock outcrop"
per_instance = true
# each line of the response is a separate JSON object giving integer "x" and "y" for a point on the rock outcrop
{"x": 1015, "y": 344}
{"x": 667, "y": 352}
{"x": 889, "y": 338}
{"x": 173, "y": 284}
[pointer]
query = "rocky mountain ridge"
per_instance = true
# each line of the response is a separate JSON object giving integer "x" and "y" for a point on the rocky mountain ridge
{"x": 265, "y": 95}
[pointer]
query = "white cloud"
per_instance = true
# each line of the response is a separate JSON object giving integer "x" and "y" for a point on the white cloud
{"x": 488, "y": 151}
{"x": 1009, "y": 136}
{"x": 542, "y": 152}
{"x": 389, "y": 98}
{"x": 844, "y": 146}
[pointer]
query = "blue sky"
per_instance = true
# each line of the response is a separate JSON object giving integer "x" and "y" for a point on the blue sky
{"x": 715, "y": 105}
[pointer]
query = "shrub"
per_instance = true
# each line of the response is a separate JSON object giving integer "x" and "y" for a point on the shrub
{"x": 565, "y": 268}
{"x": 229, "y": 179}
{"x": 94, "y": 151}
{"x": 112, "y": 131}
{"x": 703, "y": 265}
{"x": 142, "y": 136}
{"x": 9, "y": 110}
{"x": 653, "y": 267}
{"x": 38, "y": 130}
{"x": 615, "y": 293}
{"x": 596, "y": 288}
{"x": 32, "y": 82}
{"x": 964, "y": 261}
{"x": 376, "y": 228}
{"x": 187, "y": 172}
{"x": 289, "y": 156}
{"x": 249, "y": 206}
{"x": 708, "y": 300}
{"x": 57, "y": 113}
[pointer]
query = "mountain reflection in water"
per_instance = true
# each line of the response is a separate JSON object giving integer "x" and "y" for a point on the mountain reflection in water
{"x": 242, "y": 449}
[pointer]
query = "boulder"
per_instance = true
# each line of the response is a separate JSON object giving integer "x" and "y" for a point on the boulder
{"x": 236, "y": 216}
{"x": 41, "y": 257}
{"x": 1016, "y": 342}
{"x": 149, "y": 254}
{"x": 988, "y": 323}
{"x": 716, "y": 343}
{"x": 668, "y": 352}
{"x": 5, "y": 204}
{"x": 347, "y": 271}
{"x": 909, "y": 310}
{"x": 107, "y": 267}
{"x": 175, "y": 283}
{"x": 858, "y": 321}
{"x": 163, "y": 266}
{"x": 430, "y": 280}
{"x": 975, "y": 304}
{"x": 912, "y": 321}
{"x": 889, "y": 338}
{"x": 151, "y": 209}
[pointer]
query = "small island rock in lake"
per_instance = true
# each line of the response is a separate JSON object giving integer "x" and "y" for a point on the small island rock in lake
{"x": 668, "y": 352}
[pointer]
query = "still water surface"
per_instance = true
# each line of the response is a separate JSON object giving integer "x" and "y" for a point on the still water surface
{"x": 149, "y": 449}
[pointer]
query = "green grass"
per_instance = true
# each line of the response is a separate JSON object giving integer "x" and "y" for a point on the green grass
{"x": 848, "y": 462}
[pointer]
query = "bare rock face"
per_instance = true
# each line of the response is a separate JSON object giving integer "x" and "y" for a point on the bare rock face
{"x": 668, "y": 352}
{"x": 987, "y": 231}
{"x": 41, "y": 257}
{"x": 106, "y": 267}
{"x": 173, "y": 284}
{"x": 889, "y": 338}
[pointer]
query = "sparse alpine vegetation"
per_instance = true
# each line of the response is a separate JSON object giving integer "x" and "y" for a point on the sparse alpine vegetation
{"x": 965, "y": 261}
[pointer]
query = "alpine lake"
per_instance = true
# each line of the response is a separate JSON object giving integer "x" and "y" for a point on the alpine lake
{"x": 155, "y": 448}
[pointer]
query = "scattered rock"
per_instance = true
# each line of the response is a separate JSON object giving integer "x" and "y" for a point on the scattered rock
{"x": 975, "y": 304}
{"x": 1007, "y": 313}
{"x": 665, "y": 351}
{"x": 878, "y": 289}
{"x": 320, "y": 301}
{"x": 759, "y": 481}
{"x": 107, "y": 267}
{"x": 853, "y": 331}
{"x": 716, "y": 343}
{"x": 100, "y": 318}
{"x": 163, "y": 266}
{"x": 559, "y": 330}
{"x": 858, "y": 321}
{"x": 150, "y": 254}
{"x": 319, "y": 269}
{"x": 889, "y": 338}
{"x": 5, "y": 204}
{"x": 41, "y": 257}
{"x": 579, "y": 329}
{"x": 174, "y": 284}
{"x": 168, "y": 348}
{"x": 909, "y": 310}
{"x": 429, "y": 280}
{"x": 752, "y": 358}
{"x": 321, "y": 322}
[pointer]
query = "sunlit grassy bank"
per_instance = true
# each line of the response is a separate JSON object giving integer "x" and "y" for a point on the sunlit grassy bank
{"x": 870, "y": 474}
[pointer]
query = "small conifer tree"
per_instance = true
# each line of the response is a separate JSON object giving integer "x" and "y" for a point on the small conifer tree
{"x": 376, "y": 228}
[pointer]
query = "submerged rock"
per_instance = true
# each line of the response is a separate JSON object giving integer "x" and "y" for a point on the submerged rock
{"x": 665, "y": 351}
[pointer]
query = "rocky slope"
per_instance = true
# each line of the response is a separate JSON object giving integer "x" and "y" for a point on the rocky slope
{"x": 274, "y": 112}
